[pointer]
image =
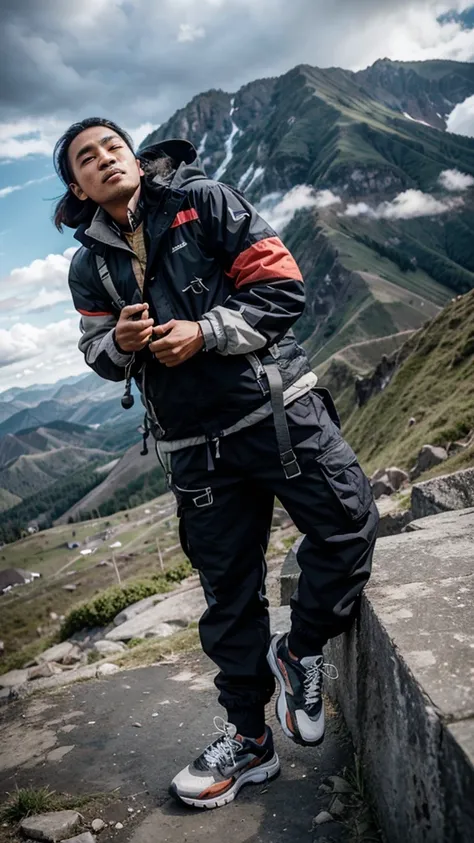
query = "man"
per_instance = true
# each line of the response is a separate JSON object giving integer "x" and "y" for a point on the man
{"x": 183, "y": 286}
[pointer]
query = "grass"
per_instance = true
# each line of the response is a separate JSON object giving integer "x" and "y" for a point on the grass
{"x": 25, "y": 624}
{"x": 28, "y": 801}
{"x": 435, "y": 385}
{"x": 153, "y": 650}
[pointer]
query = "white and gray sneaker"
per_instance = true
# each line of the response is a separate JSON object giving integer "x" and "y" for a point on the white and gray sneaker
{"x": 215, "y": 778}
{"x": 300, "y": 705}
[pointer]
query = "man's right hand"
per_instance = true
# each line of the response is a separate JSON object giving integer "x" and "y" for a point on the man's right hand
{"x": 134, "y": 328}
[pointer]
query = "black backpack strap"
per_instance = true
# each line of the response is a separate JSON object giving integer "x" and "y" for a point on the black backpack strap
{"x": 109, "y": 285}
{"x": 285, "y": 448}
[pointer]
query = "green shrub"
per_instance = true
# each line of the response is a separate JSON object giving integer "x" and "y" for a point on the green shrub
{"x": 102, "y": 609}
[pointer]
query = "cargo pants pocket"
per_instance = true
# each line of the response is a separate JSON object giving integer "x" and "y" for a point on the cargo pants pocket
{"x": 347, "y": 481}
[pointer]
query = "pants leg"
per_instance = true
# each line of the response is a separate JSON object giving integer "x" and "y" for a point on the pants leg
{"x": 331, "y": 503}
{"x": 224, "y": 527}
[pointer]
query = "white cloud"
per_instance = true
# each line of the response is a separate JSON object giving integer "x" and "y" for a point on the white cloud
{"x": 280, "y": 211}
{"x": 188, "y": 32}
{"x": 38, "y": 286}
{"x": 30, "y": 137}
{"x": 140, "y": 133}
{"x": 12, "y": 188}
{"x": 406, "y": 206}
{"x": 461, "y": 119}
{"x": 51, "y": 349}
{"x": 455, "y": 180}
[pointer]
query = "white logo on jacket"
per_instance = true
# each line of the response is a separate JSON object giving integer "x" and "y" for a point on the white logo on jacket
{"x": 178, "y": 247}
{"x": 197, "y": 285}
{"x": 238, "y": 215}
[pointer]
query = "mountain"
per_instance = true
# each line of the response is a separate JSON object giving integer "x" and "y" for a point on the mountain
{"x": 432, "y": 382}
{"x": 356, "y": 171}
{"x": 36, "y": 458}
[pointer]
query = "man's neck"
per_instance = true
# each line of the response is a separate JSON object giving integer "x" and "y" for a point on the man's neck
{"x": 119, "y": 211}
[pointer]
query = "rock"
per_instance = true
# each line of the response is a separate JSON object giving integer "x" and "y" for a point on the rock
{"x": 40, "y": 671}
{"x": 57, "y": 653}
{"x": 382, "y": 486}
{"x": 138, "y": 608}
{"x": 4, "y": 695}
{"x": 428, "y": 457}
{"x": 98, "y": 825}
{"x": 74, "y": 656}
{"x": 280, "y": 620}
{"x": 411, "y": 421}
{"x": 118, "y": 825}
{"x": 323, "y": 817}
{"x": 86, "y": 837}
{"x": 107, "y": 669}
{"x": 441, "y": 494}
{"x": 64, "y": 678}
{"x": 13, "y": 677}
{"x": 337, "y": 807}
{"x": 69, "y": 587}
{"x": 393, "y": 523}
{"x": 163, "y": 630}
{"x": 378, "y": 474}
{"x": 54, "y": 827}
{"x": 108, "y": 648}
{"x": 281, "y": 518}
{"x": 2, "y": 648}
{"x": 339, "y": 785}
{"x": 179, "y": 608}
{"x": 397, "y": 477}
{"x": 53, "y": 616}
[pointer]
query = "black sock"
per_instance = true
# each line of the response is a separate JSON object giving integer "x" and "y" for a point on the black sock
{"x": 301, "y": 648}
{"x": 249, "y": 722}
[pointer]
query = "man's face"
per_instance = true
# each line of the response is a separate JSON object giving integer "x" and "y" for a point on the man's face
{"x": 103, "y": 165}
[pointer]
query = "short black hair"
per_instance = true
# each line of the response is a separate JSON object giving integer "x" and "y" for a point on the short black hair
{"x": 70, "y": 210}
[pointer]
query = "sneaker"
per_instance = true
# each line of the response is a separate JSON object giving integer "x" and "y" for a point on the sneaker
{"x": 300, "y": 706}
{"x": 215, "y": 778}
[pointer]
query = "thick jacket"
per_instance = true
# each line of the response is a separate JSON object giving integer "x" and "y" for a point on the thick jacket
{"x": 210, "y": 258}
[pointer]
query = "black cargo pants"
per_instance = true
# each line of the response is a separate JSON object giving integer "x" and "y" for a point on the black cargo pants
{"x": 225, "y": 518}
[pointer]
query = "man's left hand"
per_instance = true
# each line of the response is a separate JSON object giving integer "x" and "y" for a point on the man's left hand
{"x": 183, "y": 340}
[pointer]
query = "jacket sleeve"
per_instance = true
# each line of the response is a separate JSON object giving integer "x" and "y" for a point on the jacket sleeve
{"x": 97, "y": 324}
{"x": 268, "y": 292}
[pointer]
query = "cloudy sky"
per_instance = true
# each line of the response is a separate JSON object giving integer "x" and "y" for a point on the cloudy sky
{"x": 137, "y": 61}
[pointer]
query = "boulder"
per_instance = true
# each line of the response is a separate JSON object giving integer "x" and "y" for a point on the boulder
{"x": 57, "y": 653}
{"x": 441, "y": 494}
{"x": 138, "y": 608}
{"x": 86, "y": 837}
{"x": 378, "y": 474}
{"x": 53, "y": 827}
{"x": 108, "y": 648}
{"x": 393, "y": 523}
{"x": 98, "y": 824}
{"x": 397, "y": 477}
{"x": 177, "y": 609}
{"x": 382, "y": 486}
{"x": 13, "y": 678}
{"x": 39, "y": 671}
{"x": 429, "y": 457}
{"x": 74, "y": 656}
{"x": 4, "y": 695}
{"x": 107, "y": 669}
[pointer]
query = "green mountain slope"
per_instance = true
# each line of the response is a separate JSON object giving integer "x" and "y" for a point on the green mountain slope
{"x": 434, "y": 385}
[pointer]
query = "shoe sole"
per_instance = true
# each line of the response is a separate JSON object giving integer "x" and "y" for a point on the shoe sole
{"x": 281, "y": 707}
{"x": 257, "y": 775}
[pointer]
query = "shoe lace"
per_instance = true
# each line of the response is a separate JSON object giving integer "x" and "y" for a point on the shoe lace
{"x": 222, "y": 751}
{"x": 314, "y": 679}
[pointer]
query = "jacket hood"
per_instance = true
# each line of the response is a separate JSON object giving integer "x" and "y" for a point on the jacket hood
{"x": 188, "y": 166}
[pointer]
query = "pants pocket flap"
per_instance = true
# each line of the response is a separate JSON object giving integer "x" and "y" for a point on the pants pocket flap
{"x": 336, "y": 459}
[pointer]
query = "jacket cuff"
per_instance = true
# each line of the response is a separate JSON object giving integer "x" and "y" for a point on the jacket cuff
{"x": 210, "y": 339}
{"x": 113, "y": 350}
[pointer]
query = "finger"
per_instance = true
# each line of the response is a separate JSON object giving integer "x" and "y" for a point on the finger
{"x": 166, "y": 354}
{"x": 143, "y": 337}
{"x": 139, "y": 325}
{"x": 161, "y": 345}
{"x": 131, "y": 309}
{"x": 163, "y": 329}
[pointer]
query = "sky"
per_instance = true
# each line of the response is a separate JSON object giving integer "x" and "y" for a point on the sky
{"x": 137, "y": 62}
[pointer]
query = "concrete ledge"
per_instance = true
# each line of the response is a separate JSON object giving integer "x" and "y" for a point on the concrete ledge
{"x": 406, "y": 682}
